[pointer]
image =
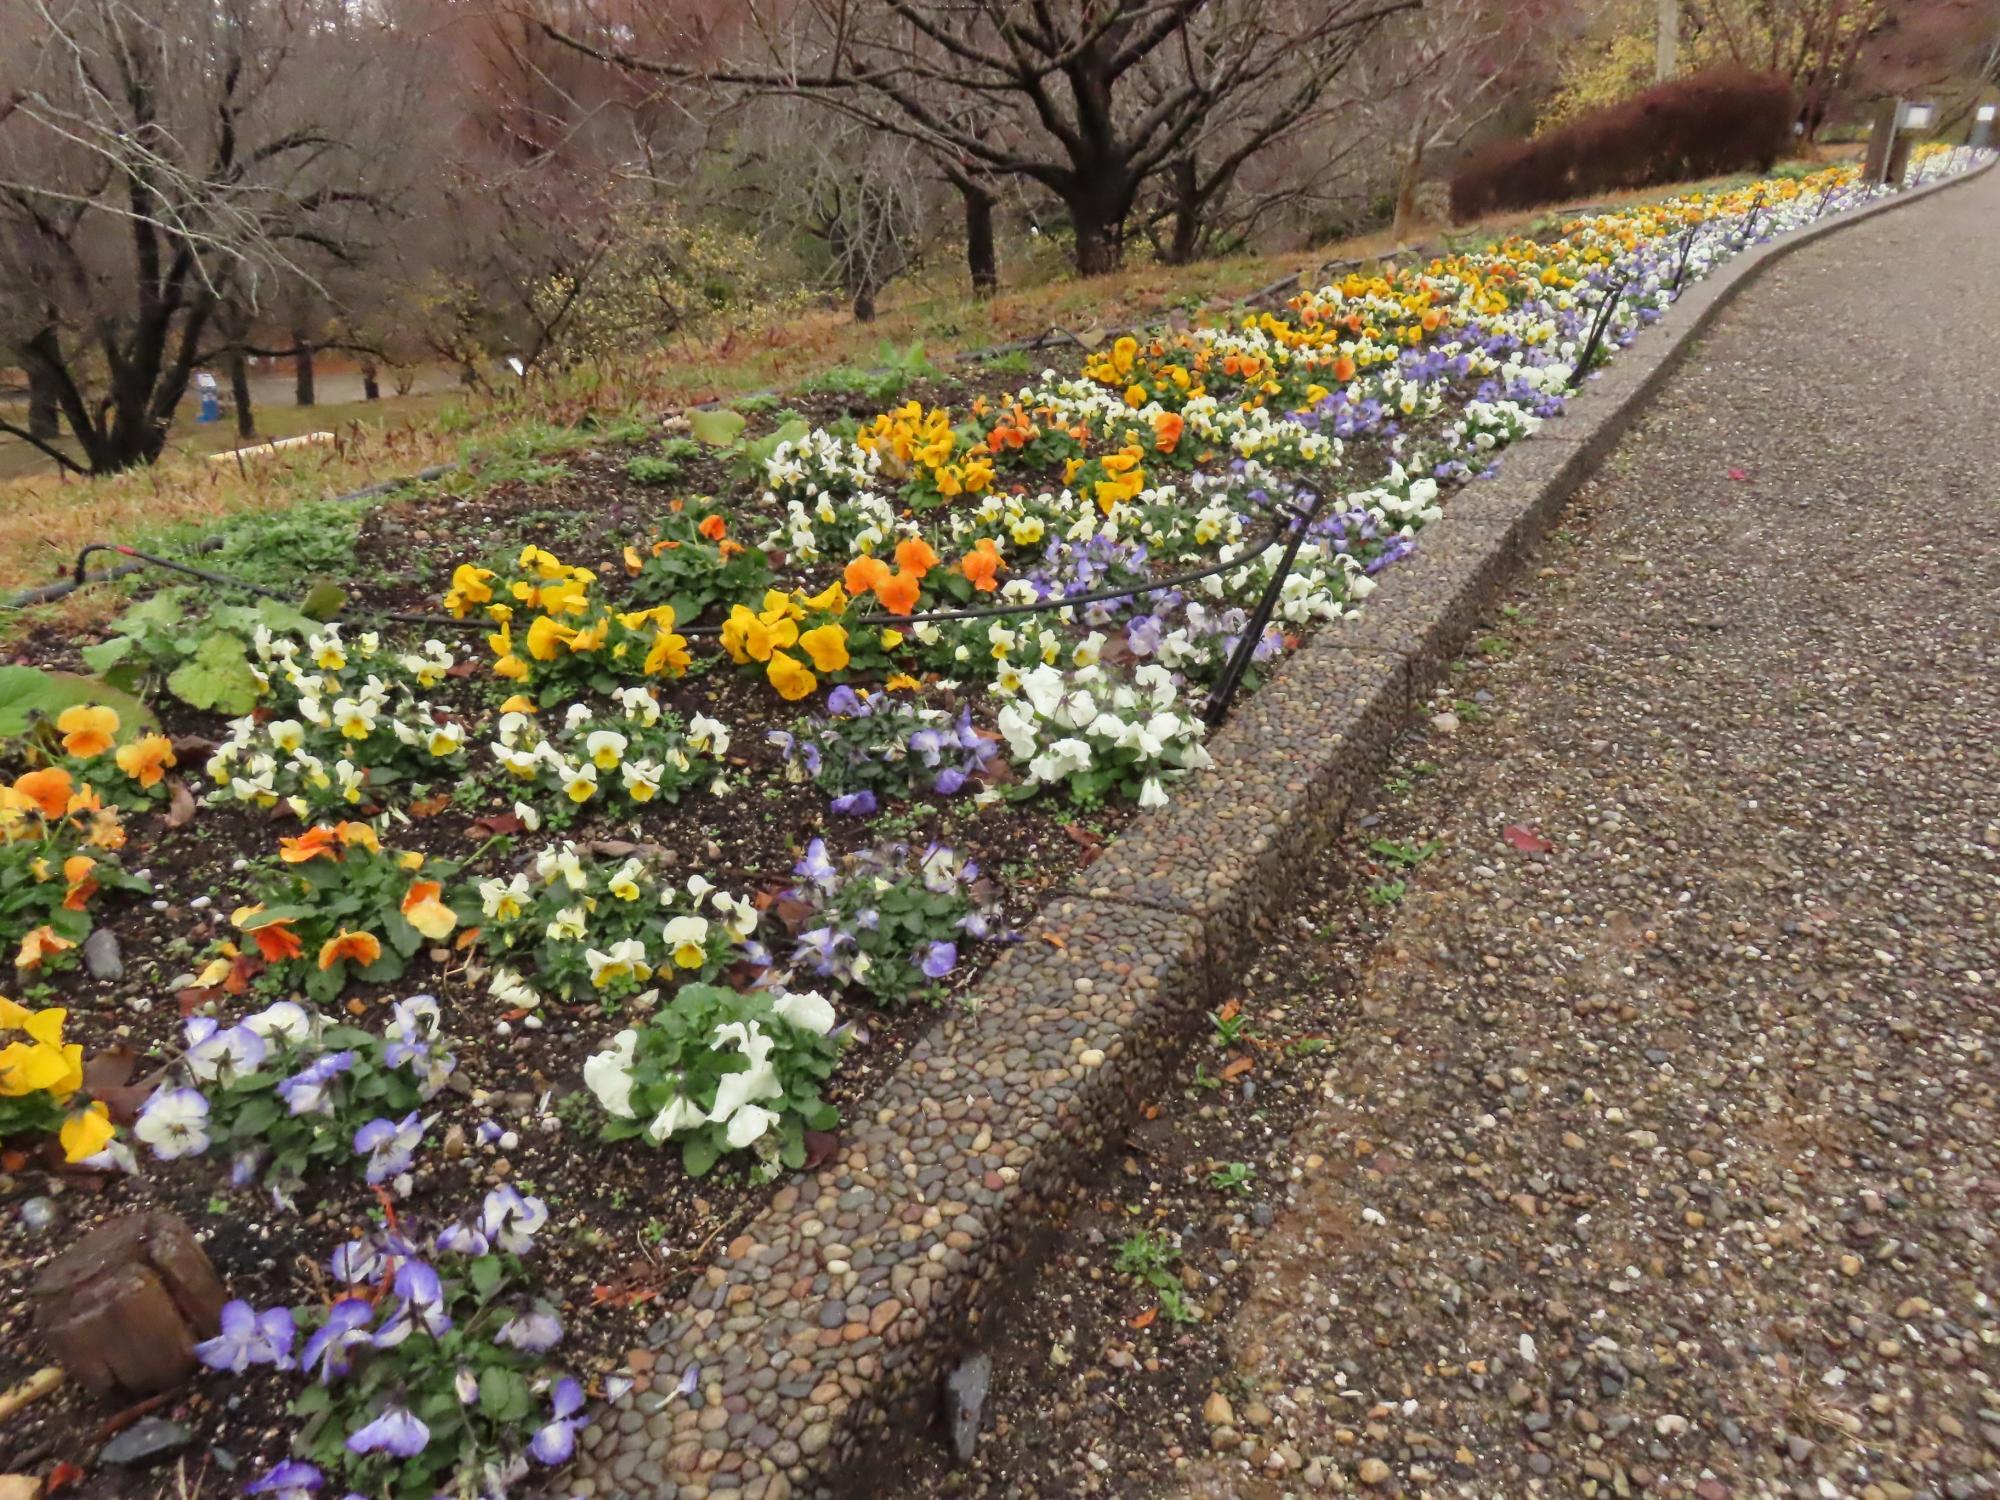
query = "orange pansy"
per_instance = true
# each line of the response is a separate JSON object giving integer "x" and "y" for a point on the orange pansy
{"x": 359, "y": 948}
{"x": 898, "y": 592}
{"x": 47, "y": 789}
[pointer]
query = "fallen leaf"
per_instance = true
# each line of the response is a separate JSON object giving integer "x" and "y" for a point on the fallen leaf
{"x": 242, "y": 969}
{"x": 1144, "y": 1319}
{"x": 495, "y": 825}
{"x": 1055, "y": 940}
{"x": 820, "y": 1146}
{"x": 1231, "y": 1009}
{"x": 1526, "y": 839}
{"x": 1237, "y": 1068}
{"x": 61, "y": 1477}
{"x": 430, "y": 807}
{"x": 1738, "y": 475}
{"x": 180, "y": 804}
{"x": 463, "y": 669}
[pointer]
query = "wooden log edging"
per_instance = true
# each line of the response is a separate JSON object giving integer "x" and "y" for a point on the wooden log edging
{"x": 836, "y": 1309}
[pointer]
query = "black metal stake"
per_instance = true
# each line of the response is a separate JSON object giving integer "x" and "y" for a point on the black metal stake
{"x": 1253, "y": 631}
{"x": 1687, "y": 250}
{"x": 1597, "y": 332}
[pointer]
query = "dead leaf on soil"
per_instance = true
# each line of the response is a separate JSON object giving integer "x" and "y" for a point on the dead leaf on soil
{"x": 1526, "y": 839}
{"x": 180, "y": 804}
{"x": 1144, "y": 1319}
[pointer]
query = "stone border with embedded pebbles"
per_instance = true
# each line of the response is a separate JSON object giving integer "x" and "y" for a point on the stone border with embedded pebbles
{"x": 838, "y": 1306}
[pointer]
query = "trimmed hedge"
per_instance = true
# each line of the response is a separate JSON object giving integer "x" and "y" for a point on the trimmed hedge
{"x": 1720, "y": 120}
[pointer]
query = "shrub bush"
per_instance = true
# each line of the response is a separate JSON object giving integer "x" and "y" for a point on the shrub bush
{"x": 1720, "y": 120}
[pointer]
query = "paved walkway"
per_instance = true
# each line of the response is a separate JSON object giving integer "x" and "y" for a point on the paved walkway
{"x": 1669, "y": 1160}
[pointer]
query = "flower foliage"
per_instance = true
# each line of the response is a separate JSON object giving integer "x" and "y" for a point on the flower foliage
{"x": 889, "y": 919}
{"x": 719, "y": 1070}
{"x": 337, "y": 905}
{"x": 427, "y": 1373}
{"x": 286, "y": 1092}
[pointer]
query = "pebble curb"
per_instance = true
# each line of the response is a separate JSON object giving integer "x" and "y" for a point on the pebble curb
{"x": 837, "y": 1308}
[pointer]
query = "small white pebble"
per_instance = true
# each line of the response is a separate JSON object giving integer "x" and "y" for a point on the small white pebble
{"x": 509, "y": 1140}
{"x": 1527, "y": 1347}
{"x": 501, "y": 1028}
{"x": 201, "y": 903}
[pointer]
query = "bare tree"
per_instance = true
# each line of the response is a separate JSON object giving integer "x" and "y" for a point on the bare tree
{"x": 1086, "y": 98}
{"x": 160, "y": 158}
{"x": 1432, "y": 77}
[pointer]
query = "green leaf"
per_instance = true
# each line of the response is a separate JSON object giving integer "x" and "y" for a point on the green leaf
{"x": 485, "y": 1274}
{"x": 503, "y": 1395}
{"x": 29, "y": 693}
{"x": 324, "y": 601}
{"x": 718, "y": 427}
{"x": 217, "y": 678}
{"x": 105, "y": 655}
{"x": 699, "y": 1153}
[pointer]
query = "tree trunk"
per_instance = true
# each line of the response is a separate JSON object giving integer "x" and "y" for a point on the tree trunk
{"x": 980, "y": 256}
{"x": 371, "y": 384}
{"x": 303, "y": 366}
{"x": 44, "y": 412}
{"x": 1185, "y": 185}
{"x": 1099, "y": 201}
{"x": 1406, "y": 191}
{"x": 239, "y": 393}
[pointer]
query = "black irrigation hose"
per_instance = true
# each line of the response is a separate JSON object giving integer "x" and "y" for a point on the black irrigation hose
{"x": 703, "y": 632}
{"x": 48, "y": 593}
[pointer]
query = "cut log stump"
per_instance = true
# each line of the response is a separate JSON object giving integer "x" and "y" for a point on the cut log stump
{"x": 122, "y": 1309}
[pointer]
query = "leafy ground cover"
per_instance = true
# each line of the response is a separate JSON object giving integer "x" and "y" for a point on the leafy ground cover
{"x": 464, "y": 951}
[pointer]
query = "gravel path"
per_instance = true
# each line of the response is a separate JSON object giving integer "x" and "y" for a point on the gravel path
{"x": 1663, "y": 1159}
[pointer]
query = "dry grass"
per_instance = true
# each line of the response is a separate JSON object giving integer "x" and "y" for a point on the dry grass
{"x": 45, "y": 520}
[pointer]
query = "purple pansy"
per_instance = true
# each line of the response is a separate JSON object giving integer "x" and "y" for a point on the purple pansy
{"x": 512, "y": 1221}
{"x": 937, "y": 959}
{"x": 290, "y": 1480}
{"x": 535, "y": 1331}
{"x": 249, "y": 1338}
{"x": 421, "y": 1304}
{"x": 308, "y": 1091}
{"x": 389, "y": 1145}
{"x": 556, "y": 1441}
{"x": 396, "y": 1431}
{"x": 855, "y": 804}
{"x": 326, "y": 1350}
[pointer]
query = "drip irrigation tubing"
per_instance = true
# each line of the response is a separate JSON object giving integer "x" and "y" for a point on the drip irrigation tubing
{"x": 48, "y": 593}
{"x": 1289, "y": 525}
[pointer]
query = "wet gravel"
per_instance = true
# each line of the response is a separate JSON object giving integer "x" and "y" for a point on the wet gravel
{"x": 1657, "y": 1150}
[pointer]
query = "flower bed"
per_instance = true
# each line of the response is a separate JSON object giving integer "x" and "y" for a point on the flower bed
{"x": 498, "y": 972}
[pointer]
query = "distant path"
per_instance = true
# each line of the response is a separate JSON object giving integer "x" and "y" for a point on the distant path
{"x": 1702, "y": 1110}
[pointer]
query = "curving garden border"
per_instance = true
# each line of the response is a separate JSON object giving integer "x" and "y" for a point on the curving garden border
{"x": 835, "y": 1309}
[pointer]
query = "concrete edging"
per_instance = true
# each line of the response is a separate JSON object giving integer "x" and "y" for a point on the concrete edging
{"x": 836, "y": 1308}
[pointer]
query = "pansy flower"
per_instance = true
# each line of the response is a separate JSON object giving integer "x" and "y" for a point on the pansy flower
{"x": 248, "y": 1338}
